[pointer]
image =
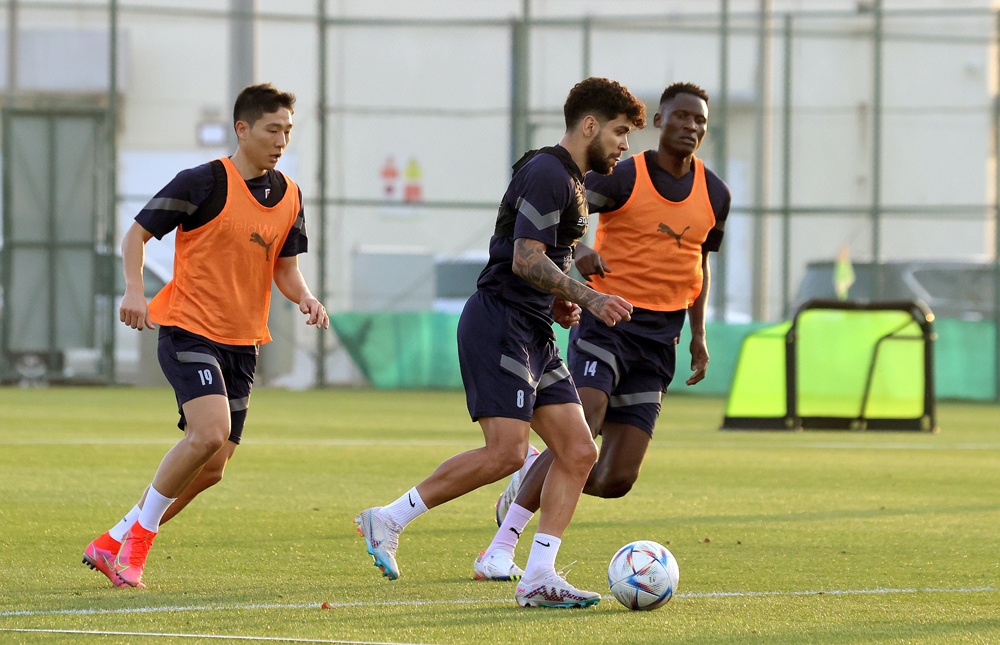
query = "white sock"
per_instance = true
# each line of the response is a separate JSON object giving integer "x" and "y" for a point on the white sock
{"x": 542, "y": 560}
{"x": 406, "y": 509}
{"x": 511, "y": 529}
{"x": 118, "y": 531}
{"x": 153, "y": 509}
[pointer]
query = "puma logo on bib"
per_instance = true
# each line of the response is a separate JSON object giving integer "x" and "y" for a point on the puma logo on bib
{"x": 257, "y": 239}
{"x": 663, "y": 228}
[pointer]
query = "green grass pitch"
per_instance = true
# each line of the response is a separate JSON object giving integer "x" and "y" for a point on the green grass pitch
{"x": 744, "y": 513}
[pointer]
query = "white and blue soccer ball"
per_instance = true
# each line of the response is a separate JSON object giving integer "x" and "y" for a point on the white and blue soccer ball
{"x": 643, "y": 575}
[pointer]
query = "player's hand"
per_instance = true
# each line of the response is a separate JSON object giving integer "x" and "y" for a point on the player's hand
{"x": 699, "y": 358}
{"x": 316, "y": 312}
{"x": 611, "y": 309}
{"x": 566, "y": 313}
{"x": 134, "y": 311}
{"x": 589, "y": 262}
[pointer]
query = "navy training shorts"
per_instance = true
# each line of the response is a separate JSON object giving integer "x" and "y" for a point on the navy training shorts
{"x": 509, "y": 365}
{"x": 632, "y": 370}
{"x": 196, "y": 367}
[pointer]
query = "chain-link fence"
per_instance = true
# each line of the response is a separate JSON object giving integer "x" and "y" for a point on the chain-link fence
{"x": 862, "y": 130}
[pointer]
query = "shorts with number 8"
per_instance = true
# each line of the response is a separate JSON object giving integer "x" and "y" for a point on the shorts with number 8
{"x": 510, "y": 363}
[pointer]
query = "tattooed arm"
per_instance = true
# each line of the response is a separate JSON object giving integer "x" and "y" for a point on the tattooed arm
{"x": 532, "y": 265}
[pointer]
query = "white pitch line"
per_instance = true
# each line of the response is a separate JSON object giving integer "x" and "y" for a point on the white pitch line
{"x": 758, "y": 445}
{"x": 246, "y": 442}
{"x": 417, "y": 603}
{"x": 218, "y": 636}
{"x": 662, "y": 445}
{"x": 834, "y": 592}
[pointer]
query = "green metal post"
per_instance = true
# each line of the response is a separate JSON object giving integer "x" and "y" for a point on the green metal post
{"x": 876, "y": 206}
{"x": 996, "y": 220}
{"x": 111, "y": 237}
{"x": 719, "y": 131}
{"x": 587, "y": 44}
{"x": 786, "y": 175}
{"x": 760, "y": 296}
{"x": 12, "y": 30}
{"x": 52, "y": 247}
{"x": 519, "y": 72}
{"x": 321, "y": 170}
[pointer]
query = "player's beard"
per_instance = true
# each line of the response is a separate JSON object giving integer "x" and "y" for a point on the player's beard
{"x": 597, "y": 159}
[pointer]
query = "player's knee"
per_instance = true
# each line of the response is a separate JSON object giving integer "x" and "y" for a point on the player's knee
{"x": 209, "y": 439}
{"x": 612, "y": 485}
{"x": 594, "y": 421}
{"x": 507, "y": 463}
{"x": 582, "y": 455}
{"x": 211, "y": 478}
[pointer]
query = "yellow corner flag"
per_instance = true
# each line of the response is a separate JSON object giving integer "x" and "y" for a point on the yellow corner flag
{"x": 843, "y": 273}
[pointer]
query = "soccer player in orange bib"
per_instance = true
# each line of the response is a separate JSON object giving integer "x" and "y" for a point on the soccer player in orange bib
{"x": 240, "y": 226}
{"x": 662, "y": 212}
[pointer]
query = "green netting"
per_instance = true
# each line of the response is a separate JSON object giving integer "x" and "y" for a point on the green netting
{"x": 724, "y": 343}
{"x": 759, "y": 381}
{"x": 963, "y": 359}
{"x": 406, "y": 349}
{"x": 834, "y": 352}
{"x": 419, "y": 350}
{"x": 402, "y": 349}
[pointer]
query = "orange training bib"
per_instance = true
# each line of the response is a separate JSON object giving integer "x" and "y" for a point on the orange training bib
{"x": 653, "y": 245}
{"x": 223, "y": 270}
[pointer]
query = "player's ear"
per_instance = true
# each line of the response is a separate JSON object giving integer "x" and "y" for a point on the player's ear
{"x": 242, "y": 127}
{"x": 657, "y": 120}
{"x": 590, "y": 125}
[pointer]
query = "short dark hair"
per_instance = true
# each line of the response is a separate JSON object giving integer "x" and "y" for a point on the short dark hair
{"x": 683, "y": 88}
{"x": 604, "y": 99}
{"x": 257, "y": 100}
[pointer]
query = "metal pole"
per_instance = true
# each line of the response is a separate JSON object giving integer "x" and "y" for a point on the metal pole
{"x": 877, "y": 151}
{"x": 241, "y": 52}
{"x": 519, "y": 51}
{"x": 111, "y": 237}
{"x": 321, "y": 170}
{"x": 11, "y": 49}
{"x": 52, "y": 246}
{"x": 762, "y": 189}
{"x": 786, "y": 175}
{"x": 996, "y": 217}
{"x": 719, "y": 132}
{"x": 588, "y": 25}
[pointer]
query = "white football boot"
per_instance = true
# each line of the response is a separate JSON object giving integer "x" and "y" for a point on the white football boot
{"x": 552, "y": 590}
{"x": 497, "y": 565}
{"x": 382, "y": 536}
{"x": 510, "y": 493}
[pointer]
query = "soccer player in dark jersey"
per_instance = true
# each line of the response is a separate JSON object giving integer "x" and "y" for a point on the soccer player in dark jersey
{"x": 662, "y": 212}
{"x": 240, "y": 226}
{"x": 513, "y": 375}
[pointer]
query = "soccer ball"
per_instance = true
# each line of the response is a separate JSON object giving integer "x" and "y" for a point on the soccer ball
{"x": 643, "y": 575}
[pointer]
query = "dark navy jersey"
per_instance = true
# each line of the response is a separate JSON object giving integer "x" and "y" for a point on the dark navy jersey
{"x": 545, "y": 201}
{"x": 607, "y": 193}
{"x": 196, "y": 196}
